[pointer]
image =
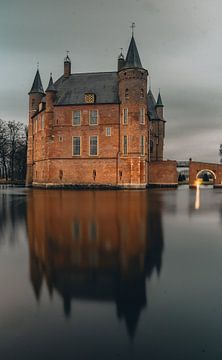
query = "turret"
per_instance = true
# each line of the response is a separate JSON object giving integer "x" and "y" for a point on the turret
{"x": 35, "y": 97}
{"x": 67, "y": 66}
{"x": 50, "y": 94}
{"x": 35, "y": 94}
{"x": 133, "y": 110}
{"x": 159, "y": 107}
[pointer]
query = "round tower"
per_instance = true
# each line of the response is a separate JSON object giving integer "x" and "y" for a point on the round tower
{"x": 35, "y": 97}
{"x": 133, "y": 115}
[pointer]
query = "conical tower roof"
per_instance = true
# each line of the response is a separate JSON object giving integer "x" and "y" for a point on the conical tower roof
{"x": 51, "y": 87}
{"x": 132, "y": 57}
{"x": 159, "y": 101}
{"x": 37, "y": 84}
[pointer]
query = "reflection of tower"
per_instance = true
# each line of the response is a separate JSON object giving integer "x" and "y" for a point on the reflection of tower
{"x": 101, "y": 249}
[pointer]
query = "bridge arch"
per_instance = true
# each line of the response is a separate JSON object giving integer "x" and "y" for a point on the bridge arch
{"x": 197, "y": 168}
{"x": 202, "y": 171}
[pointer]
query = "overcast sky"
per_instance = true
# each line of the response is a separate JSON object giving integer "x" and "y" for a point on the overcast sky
{"x": 179, "y": 43}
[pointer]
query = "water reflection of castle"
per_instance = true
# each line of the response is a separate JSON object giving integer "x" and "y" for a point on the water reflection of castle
{"x": 95, "y": 245}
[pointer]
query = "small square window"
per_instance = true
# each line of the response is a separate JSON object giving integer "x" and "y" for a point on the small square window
{"x": 76, "y": 117}
{"x": 93, "y": 117}
{"x": 108, "y": 131}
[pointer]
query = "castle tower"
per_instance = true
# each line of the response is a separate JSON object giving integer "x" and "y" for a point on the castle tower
{"x": 133, "y": 117}
{"x": 157, "y": 126}
{"x": 35, "y": 97}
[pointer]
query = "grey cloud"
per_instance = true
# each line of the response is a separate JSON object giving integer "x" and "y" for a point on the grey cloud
{"x": 179, "y": 43}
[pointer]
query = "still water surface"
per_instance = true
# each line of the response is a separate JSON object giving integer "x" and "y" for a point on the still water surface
{"x": 110, "y": 274}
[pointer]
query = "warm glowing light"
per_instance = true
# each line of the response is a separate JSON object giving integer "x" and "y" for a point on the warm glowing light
{"x": 198, "y": 182}
{"x": 197, "y": 199}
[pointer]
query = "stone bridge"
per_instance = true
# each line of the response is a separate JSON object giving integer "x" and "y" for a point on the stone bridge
{"x": 196, "y": 168}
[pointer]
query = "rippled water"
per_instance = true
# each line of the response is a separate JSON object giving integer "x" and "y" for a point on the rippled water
{"x": 110, "y": 274}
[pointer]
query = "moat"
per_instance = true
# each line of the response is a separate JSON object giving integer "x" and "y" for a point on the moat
{"x": 110, "y": 274}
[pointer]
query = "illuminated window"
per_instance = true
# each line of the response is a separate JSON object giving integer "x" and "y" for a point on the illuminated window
{"x": 125, "y": 116}
{"x": 93, "y": 144}
{"x": 76, "y": 145}
{"x": 142, "y": 116}
{"x": 142, "y": 144}
{"x": 90, "y": 98}
{"x": 125, "y": 145}
{"x": 93, "y": 117}
{"x": 108, "y": 131}
{"x": 76, "y": 117}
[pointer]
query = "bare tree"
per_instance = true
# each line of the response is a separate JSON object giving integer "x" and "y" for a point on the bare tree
{"x": 13, "y": 148}
{"x": 4, "y": 148}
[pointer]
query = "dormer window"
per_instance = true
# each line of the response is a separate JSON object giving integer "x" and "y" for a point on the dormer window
{"x": 90, "y": 98}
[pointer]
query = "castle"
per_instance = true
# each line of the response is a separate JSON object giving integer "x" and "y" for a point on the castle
{"x": 97, "y": 129}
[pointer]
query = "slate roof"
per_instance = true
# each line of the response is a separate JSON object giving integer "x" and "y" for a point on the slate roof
{"x": 51, "y": 87}
{"x": 37, "y": 84}
{"x": 159, "y": 101}
{"x": 151, "y": 106}
{"x": 72, "y": 90}
{"x": 132, "y": 57}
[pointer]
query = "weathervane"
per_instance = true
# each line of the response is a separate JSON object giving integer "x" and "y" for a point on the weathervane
{"x": 133, "y": 27}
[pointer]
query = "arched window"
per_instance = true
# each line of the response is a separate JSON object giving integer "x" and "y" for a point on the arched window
{"x": 142, "y": 93}
{"x": 151, "y": 146}
{"x": 127, "y": 94}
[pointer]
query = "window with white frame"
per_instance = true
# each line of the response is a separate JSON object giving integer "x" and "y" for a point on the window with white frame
{"x": 76, "y": 145}
{"x": 125, "y": 116}
{"x": 93, "y": 117}
{"x": 76, "y": 118}
{"x": 93, "y": 145}
{"x": 125, "y": 145}
{"x": 108, "y": 131}
{"x": 142, "y": 116}
{"x": 142, "y": 144}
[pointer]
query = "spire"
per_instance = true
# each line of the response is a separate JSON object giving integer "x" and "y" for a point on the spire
{"x": 159, "y": 101}
{"x": 51, "y": 87}
{"x": 132, "y": 57}
{"x": 37, "y": 84}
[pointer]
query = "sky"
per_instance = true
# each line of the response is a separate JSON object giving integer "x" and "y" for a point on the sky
{"x": 179, "y": 43}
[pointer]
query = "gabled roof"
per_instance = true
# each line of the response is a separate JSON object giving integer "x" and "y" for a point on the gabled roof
{"x": 51, "y": 87}
{"x": 72, "y": 90}
{"x": 132, "y": 57}
{"x": 151, "y": 102}
{"x": 37, "y": 84}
